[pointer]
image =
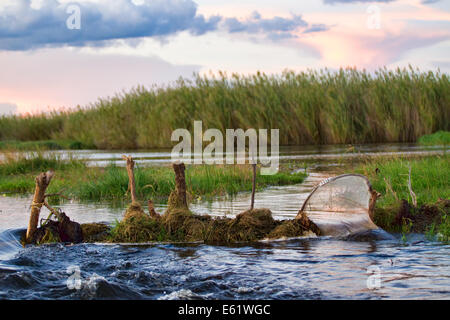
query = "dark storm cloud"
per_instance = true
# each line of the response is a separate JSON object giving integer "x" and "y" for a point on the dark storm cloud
{"x": 23, "y": 27}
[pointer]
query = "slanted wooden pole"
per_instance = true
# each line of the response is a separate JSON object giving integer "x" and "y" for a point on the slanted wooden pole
{"x": 131, "y": 181}
{"x": 180, "y": 183}
{"x": 42, "y": 182}
{"x": 252, "y": 204}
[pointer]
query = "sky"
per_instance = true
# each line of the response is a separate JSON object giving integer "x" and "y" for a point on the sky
{"x": 61, "y": 54}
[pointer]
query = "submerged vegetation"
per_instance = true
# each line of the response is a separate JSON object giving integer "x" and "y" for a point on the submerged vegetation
{"x": 314, "y": 107}
{"x": 430, "y": 186}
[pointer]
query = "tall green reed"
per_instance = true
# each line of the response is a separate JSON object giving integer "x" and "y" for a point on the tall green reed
{"x": 313, "y": 107}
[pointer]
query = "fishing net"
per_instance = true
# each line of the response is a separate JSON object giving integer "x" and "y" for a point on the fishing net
{"x": 341, "y": 205}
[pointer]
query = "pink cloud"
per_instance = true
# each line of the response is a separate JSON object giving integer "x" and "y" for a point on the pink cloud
{"x": 350, "y": 42}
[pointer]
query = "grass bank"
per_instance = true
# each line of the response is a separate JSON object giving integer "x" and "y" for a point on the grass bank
{"x": 430, "y": 181}
{"x": 17, "y": 174}
{"x": 314, "y": 107}
{"x": 437, "y": 138}
{"x": 43, "y": 145}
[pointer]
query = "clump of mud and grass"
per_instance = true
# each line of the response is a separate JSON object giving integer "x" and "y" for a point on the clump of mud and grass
{"x": 95, "y": 232}
{"x": 179, "y": 224}
{"x": 424, "y": 210}
{"x": 431, "y": 219}
{"x": 63, "y": 229}
{"x": 184, "y": 226}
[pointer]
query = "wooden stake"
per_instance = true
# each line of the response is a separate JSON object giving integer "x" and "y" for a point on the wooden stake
{"x": 413, "y": 195}
{"x": 131, "y": 181}
{"x": 252, "y": 204}
{"x": 180, "y": 183}
{"x": 42, "y": 182}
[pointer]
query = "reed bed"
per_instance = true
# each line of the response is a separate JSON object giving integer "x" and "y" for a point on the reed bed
{"x": 313, "y": 107}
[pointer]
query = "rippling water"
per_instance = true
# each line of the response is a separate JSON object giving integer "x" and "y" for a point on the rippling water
{"x": 295, "y": 269}
{"x": 308, "y": 268}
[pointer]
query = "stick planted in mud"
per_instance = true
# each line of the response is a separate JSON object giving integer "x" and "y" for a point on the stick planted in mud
{"x": 131, "y": 182}
{"x": 42, "y": 182}
{"x": 252, "y": 204}
{"x": 413, "y": 195}
{"x": 180, "y": 183}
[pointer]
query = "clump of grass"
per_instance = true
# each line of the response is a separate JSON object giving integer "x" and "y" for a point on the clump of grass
{"x": 314, "y": 107}
{"x": 93, "y": 232}
{"x": 444, "y": 228}
{"x": 184, "y": 226}
{"x": 437, "y": 138}
{"x": 430, "y": 181}
{"x": 140, "y": 228}
{"x": 430, "y": 178}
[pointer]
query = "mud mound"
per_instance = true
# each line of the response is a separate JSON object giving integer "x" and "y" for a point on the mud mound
{"x": 134, "y": 211}
{"x": 290, "y": 229}
{"x": 175, "y": 203}
{"x": 218, "y": 230}
{"x": 423, "y": 217}
{"x": 137, "y": 228}
{"x": 251, "y": 225}
{"x": 63, "y": 230}
{"x": 94, "y": 232}
{"x": 47, "y": 234}
{"x": 182, "y": 225}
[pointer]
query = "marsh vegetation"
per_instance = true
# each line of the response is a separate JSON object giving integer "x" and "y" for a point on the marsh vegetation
{"x": 314, "y": 107}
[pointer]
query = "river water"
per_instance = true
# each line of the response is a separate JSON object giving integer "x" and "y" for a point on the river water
{"x": 306, "y": 268}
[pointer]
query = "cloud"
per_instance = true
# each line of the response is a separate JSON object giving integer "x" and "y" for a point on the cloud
{"x": 23, "y": 27}
{"x": 275, "y": 28}
{"x": 341, "y": 48}
{"x": 317, "y": 28}
{"x": 393, "y": 47}
{"x": 7, "y": 108}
